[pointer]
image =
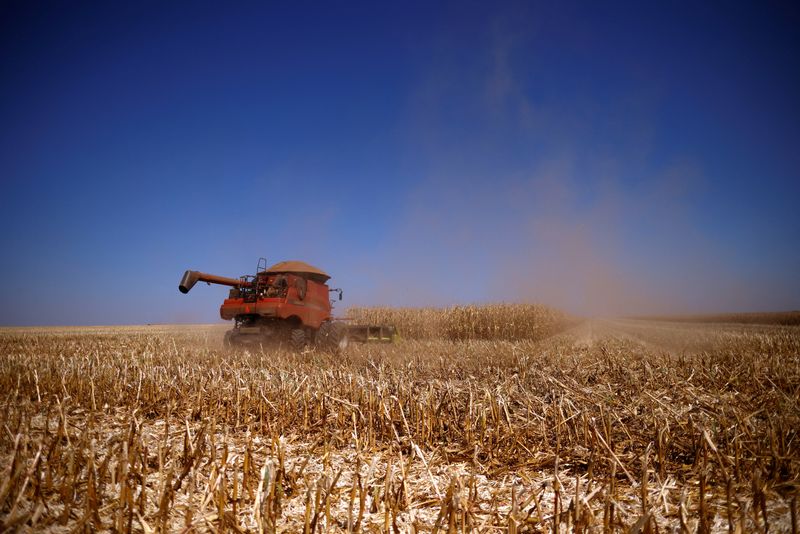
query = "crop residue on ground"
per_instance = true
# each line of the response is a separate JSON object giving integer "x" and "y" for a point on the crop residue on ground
{"x": 604, "y": 426}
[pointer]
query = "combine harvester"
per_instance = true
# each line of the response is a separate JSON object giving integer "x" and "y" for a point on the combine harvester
{"x": 286, "y": 303}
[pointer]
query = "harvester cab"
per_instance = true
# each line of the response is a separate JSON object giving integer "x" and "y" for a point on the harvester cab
{"x": 286, "y": 303}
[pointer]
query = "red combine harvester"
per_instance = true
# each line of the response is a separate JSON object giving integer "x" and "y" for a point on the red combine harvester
{"x": 288, "y": 302}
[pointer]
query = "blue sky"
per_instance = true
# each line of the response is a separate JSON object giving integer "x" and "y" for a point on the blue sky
{"x": 602, "y": 158}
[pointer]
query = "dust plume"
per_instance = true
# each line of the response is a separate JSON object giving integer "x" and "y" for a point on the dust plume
{"x": 543, "y": 237}
{"x": 521, "y": 200}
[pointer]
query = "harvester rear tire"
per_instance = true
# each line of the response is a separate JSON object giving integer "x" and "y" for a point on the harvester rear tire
{"x": 228, "y": 341}
{"x": 333, "y": 337}
{"x": 232, "y": 340}
{"x": 297, "y": 339}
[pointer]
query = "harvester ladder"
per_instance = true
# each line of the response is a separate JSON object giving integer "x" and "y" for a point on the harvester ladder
{"x": 260, "y": 268}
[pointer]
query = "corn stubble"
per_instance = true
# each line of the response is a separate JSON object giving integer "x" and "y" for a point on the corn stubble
{"x": 468, "y": 425}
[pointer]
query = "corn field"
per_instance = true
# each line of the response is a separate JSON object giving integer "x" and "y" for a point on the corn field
{"x": 506, "y": 322}
{"x": 466, "y": 424}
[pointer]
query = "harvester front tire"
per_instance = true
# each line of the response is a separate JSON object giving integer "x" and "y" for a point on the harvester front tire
{"x": 333, "y": 337}
{"x": 297, "y": 339}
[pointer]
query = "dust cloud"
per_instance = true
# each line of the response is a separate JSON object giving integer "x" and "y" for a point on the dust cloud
{"x": 518, "y": 200}
{"x": 548, "y": 237}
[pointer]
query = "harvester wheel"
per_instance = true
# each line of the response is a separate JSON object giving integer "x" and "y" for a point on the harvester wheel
{"x": 297, "y": 339}
{"x": 232, "y": 340}
{"x": 333, "y": 337}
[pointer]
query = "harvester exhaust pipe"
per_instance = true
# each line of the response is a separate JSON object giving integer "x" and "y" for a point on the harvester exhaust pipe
{"x": 188, "y": 281}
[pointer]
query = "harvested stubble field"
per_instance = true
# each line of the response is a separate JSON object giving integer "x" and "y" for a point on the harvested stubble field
{"x": 603, "y": 427}
{"x": 788, "y": 318}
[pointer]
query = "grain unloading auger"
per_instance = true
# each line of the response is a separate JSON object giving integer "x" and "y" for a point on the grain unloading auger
{"x": 288, "y": 302}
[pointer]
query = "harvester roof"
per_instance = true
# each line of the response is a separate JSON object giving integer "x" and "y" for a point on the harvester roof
{"x": 300, "y": 267}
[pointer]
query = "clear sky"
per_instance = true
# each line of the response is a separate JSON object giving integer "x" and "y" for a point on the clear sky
{"x": 605, "y": 159}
